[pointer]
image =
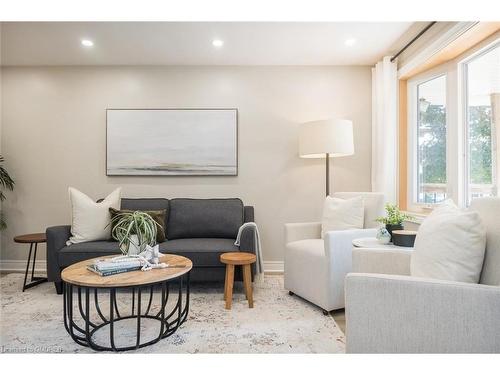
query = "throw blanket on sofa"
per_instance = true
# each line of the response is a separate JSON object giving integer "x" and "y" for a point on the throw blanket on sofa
{"x": 259, "y": 264}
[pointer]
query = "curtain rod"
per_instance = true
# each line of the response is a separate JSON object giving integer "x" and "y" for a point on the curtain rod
{"x": 413, "y": 40}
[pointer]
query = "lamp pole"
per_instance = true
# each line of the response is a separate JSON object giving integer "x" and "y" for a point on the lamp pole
{"x": 327, "y": 174}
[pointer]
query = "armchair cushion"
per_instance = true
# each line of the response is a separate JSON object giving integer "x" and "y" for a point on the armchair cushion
{"x": 392, "y": 262}
{"x": 342, "y": 214}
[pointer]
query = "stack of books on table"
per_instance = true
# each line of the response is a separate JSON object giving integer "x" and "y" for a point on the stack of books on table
{"x": 106, "y": 267}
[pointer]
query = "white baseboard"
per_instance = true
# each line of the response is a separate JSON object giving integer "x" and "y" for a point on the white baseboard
{"x": 274, "y": 267}
{"x": 20, "y": 266}
{"x": 41, "y": 266}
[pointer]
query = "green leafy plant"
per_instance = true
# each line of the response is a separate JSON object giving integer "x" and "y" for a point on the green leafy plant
{"x": 6, "y": 182}
{"x": 137, "y": 228}
{"x": 394, "y": 216}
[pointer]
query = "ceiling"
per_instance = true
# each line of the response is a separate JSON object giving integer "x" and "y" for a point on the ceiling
{"x": 190, "y": 43}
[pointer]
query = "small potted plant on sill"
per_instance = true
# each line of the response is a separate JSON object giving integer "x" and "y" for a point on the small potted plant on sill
{"x": 133, "y": 231}
{"x": 394, "y": 218}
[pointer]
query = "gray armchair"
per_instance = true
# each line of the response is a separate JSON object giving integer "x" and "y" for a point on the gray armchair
{"x": 388, "y": 311}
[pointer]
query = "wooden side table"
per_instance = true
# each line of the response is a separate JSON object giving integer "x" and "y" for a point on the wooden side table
{"x": 238, "y": 259}
{"x": 32, "y": 239}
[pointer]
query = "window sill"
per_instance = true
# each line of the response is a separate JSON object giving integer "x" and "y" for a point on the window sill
{"x": 418, "y": 217}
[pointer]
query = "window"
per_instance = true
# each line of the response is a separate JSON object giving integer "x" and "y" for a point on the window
{"x": 453, "y": 130}
{"x": 430, "y": 166}
{"x": 482, "y": 123}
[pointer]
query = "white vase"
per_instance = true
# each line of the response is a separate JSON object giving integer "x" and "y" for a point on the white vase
{"x": 133, "y": 246}
{"x": 383, "y": 236}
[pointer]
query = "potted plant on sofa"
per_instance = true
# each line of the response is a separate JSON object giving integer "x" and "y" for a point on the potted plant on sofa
{"x": 394, "y": 218}
{"x": 133, "y": 231}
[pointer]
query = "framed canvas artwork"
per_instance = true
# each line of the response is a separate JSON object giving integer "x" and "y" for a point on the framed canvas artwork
{"x": 172, "y": 142}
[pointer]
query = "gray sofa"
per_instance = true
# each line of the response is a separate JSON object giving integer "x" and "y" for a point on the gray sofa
{"x": 199, "y": 229}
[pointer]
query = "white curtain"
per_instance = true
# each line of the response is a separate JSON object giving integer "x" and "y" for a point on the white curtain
{"x": 384, "y": 129}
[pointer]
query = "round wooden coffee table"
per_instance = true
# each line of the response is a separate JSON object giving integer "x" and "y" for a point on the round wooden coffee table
{"x": 80, "y": 283}
{"x": 243, "y": 259}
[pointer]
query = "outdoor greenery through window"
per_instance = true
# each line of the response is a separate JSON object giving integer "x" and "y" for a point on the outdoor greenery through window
{"x": 431, "y": 136}
{"x": 482, "y": 83}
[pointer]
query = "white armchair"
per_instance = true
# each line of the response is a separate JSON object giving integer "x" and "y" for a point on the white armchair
{"x": 388, "y": 311}
{"x": 315, "y": 268}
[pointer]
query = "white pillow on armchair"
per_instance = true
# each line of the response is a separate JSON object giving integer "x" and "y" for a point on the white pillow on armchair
{"x": 450, "y": 245}
{"x": 342, "y": 214}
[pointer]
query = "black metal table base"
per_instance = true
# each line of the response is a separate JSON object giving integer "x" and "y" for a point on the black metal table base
{"x": 85, "y": 297}
{"x": 35, "y": 280}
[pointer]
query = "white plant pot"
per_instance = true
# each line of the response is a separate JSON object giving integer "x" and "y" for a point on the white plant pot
{"x": 133, "y": 246}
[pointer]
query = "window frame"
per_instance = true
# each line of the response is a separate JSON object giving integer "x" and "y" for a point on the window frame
{"x": 456, "y": 126}
{"x": 413, "y": 124}
{"x": 464, "y": 119}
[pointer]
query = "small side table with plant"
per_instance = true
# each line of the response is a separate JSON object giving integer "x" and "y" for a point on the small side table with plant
{"x": 392, "y": 221}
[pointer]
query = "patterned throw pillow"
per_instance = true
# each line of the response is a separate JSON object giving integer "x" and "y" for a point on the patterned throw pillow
{"x": 158, "y": 216}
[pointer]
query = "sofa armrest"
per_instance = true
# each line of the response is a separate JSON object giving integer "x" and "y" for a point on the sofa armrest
{"x": 56, "y": 240}
{"x": 392, "y": 262}
{"x": 247, "y": 240}
{"x": 402, "y": 314}
{"x": 248, "y": 214}
{"x": 302, "y": 231}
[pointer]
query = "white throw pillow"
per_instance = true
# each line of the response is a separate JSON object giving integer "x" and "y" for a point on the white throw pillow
{"x": 450, "y": 245}
{"x": 90, "y": 220}
{"x": 341, "y": 214}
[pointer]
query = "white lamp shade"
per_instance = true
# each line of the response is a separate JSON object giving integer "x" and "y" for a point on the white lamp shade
{"x": 317, "y": 138}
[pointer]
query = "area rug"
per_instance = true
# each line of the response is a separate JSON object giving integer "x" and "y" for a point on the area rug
{"x": 32, "y": 322}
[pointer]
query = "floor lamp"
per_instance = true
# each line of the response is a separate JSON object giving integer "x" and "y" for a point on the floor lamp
{"x": 326, "y": 139}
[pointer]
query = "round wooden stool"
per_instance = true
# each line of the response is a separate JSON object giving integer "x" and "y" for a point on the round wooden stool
{"x": 238, "y": 259}
{"x": 32, "y": 239}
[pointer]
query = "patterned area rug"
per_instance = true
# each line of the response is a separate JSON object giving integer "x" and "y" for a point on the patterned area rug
{"x": 32, "y": 322}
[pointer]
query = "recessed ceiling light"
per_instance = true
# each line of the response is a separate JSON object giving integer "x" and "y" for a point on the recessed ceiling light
{"x": 350, "y": 42}
{"x": 87, "y": 43}
{"x": 217, "y": 43}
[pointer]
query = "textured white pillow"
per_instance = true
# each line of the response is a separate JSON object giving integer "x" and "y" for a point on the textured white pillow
{"x": 341, "y": 214}
{"x": 88, "y": 218}
{"x": 450, "y": 245}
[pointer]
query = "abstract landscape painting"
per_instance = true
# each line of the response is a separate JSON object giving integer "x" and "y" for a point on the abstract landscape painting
{"x": 171, "y": 142}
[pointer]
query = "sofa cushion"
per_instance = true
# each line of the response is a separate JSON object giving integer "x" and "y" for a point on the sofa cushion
{"x": 201, "y": 251}
{"x": 86, "y": 250}
{"x": 146, "y": 204}
{"x": 204, "y": 218}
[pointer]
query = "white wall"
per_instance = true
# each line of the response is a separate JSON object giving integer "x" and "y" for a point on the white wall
{"x": 54, "y": 125}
